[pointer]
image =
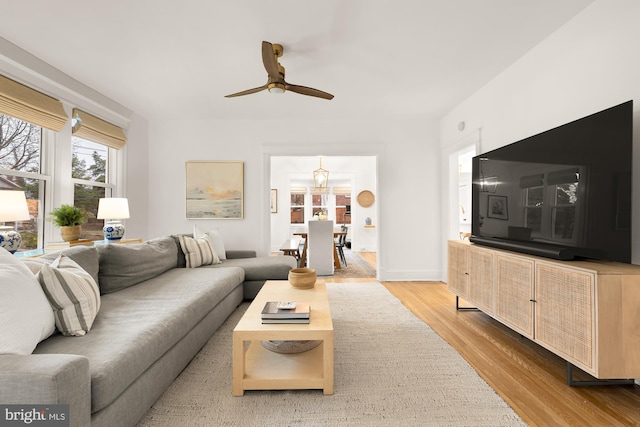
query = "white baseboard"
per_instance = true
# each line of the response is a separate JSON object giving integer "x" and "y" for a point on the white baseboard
{"x": 409, "y": 275}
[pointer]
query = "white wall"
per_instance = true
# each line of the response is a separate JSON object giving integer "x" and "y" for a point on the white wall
{"x": 589, "y": 64}
{"x": 136, "y": 182}
{"x": 407, "y": 188}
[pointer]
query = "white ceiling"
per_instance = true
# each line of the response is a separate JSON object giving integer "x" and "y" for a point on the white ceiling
{"x": 380, "y": 58}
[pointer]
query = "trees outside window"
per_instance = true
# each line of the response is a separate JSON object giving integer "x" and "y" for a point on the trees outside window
{"x": 89, "y": 172}
{"x": 20, "y": 160}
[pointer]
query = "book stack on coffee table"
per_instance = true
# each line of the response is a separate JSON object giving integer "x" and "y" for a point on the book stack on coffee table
{"x": 286, "y": 312}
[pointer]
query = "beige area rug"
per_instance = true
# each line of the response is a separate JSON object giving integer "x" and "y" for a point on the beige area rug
{"x": 357, "y": 267}
{"x": 391, "y": 369}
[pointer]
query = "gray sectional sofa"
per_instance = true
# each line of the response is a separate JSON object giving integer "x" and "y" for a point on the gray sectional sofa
{"x": 155, "y": 315}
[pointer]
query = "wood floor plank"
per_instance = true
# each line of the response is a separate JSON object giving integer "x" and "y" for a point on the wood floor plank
{"x": 531, "y": 379}
{"x": 527, "y": 376}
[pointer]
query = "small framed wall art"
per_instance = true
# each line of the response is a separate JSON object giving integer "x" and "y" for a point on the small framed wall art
{"x": 214, "y": 190}
{"x": 497, "y": 207}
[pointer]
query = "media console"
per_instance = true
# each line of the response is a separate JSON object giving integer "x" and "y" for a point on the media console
{"x": 586, "y": 312}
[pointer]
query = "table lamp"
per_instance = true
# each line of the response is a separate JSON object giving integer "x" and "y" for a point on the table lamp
{"x": 13, "y": 207}
{"x": 113, "y": 209}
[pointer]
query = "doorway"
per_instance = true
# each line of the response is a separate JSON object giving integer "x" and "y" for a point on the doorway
{"x": 291, "y": 182}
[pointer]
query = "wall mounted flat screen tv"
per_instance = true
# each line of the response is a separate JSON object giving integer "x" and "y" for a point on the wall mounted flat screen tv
{"x": 563, "y": 194}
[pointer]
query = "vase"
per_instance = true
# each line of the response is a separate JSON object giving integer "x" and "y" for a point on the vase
{"x": 70, "y": 232}
{"x": 113, "y": 230}
{"x": 10, "y": 239}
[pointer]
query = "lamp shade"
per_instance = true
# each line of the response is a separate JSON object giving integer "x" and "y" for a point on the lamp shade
{"x": 13, "y": 206}
{"x": 113, "y": 208}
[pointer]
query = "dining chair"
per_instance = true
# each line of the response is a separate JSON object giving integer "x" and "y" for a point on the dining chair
{"x": 340, "y": 244}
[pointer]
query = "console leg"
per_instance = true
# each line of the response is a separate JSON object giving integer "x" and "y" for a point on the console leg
{"x": 458, "y": 308}
{"x": 595, "y": 382}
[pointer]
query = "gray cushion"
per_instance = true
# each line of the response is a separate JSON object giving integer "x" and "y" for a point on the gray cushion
{"x": 122, "y": 266}
{"x": 261, "y": 268}
{"x": 139, "y": 324}
{"x": 182, "y": 260}
{"x": 241, "y": 253}
{"x": 85, "y": 256}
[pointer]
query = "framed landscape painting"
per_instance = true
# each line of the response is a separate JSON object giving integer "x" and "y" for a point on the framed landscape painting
{"x": 215, "y": 190}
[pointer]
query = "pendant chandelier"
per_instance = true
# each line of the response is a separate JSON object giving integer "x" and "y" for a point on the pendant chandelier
{"x": 321, "y": 179}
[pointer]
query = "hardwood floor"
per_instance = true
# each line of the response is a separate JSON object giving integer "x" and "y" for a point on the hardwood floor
{"x": 531, "y": 379}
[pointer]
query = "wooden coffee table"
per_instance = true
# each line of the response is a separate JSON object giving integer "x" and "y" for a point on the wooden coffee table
{"x": 256, "y": 368}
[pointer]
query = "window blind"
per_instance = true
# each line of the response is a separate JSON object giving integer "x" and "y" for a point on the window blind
{"x": 298, "y": 190}
{"x": 97, "y": 130}
{"x": 318, "y": 190}
{"x": 24, "y": 103}
{"x": 341, "y": 190}
{"x": 531, "y": 181}
{"x": 566, "y": 176}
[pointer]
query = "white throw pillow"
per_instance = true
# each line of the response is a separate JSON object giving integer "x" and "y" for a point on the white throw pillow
{"x": 216, "y": 238}
{"x": 73, "y": 295}
{"x": 198, "y": 251}
{"x": 26, "y": 317}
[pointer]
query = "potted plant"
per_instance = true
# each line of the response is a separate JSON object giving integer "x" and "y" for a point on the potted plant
{"x": 69, "y": 219}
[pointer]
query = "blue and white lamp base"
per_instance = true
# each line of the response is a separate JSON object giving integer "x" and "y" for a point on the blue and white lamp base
{"x": 113, "y": 230}
{"x": 10, "y": 239}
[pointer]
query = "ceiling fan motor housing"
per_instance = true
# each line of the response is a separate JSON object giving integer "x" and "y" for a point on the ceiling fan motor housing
{"x": 276, "y": 87}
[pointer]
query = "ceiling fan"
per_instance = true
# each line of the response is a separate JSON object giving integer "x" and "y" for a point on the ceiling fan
{"x": 275, "y": 73}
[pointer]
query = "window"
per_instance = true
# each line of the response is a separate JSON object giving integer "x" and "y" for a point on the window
{"x": 297, "y": 208}
{"x": 533, "y": 208}
{"x": 564, "y": 210}
{"x": 89, "y": 167}
{"x": 20, "y": 169}
{"x": 35, "y": 158}
{"x": 343, "y": 208}
{"x": 552, "y": 203}
{"x": 319, "y": 204}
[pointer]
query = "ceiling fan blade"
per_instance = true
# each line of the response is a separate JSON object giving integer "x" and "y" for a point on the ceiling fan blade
{"x": 303, "y": 90}
{"x": 269, "y": 61}
{"x": 247, "y": 92}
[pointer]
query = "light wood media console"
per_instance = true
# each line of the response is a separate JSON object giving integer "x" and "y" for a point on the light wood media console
{"x": 586, "y": 312}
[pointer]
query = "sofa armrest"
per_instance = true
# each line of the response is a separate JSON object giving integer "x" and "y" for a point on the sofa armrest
{"x": 48, "y": 379}
{"x": 235, "y": 254}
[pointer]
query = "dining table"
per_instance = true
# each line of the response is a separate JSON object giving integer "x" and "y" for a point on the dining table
{"x": 303, "y": 257}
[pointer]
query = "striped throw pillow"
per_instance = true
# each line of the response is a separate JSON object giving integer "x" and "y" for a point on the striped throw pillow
{"x": 73, "y": 294}
{"x": 198, "y": 251}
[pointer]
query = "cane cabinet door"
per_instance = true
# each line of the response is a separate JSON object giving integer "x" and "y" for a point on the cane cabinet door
{"x": 515, "y": 292}
{"x": 481, "y": 278}
{"x": 565, "y": 310}
{"x": 457, "y": 271}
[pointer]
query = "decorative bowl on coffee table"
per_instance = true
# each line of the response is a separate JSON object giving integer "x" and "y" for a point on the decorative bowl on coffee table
{"x": 302, "y": 278}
